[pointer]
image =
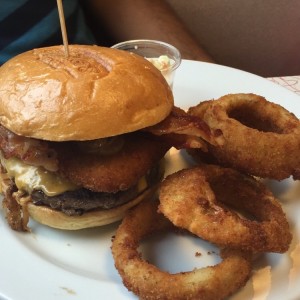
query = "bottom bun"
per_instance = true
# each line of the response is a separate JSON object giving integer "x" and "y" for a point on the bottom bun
{"x": 56, "y": 219}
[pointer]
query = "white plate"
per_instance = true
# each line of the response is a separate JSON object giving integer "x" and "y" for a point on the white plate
{"x": 51, "y": 264}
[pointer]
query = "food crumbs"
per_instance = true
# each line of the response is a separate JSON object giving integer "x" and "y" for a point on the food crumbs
{"x": 197, "y": 254}
{"x": 69, "y": 291}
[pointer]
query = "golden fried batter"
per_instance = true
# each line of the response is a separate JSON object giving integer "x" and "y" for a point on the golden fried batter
{"x": 194, "y": 199}
{"x": 111, "y": 173}
{"x": 261, "y": 138}
{"x": 149, "y": 282}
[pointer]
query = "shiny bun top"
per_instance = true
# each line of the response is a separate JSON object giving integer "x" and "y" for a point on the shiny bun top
{"x": 94, "y": 93}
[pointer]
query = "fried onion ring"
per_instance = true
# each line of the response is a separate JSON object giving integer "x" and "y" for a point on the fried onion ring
{"x": 261, "y": 138}
{"x": 115, "y": 172}
{"x": 195, "y": 199}
{"x": 148, "y": 282}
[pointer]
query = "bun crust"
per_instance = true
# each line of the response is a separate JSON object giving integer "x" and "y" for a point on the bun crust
{"x": 96, "y": 92}
{"x": 59, "y": 220}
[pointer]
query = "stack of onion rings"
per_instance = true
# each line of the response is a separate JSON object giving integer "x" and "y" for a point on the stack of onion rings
{"x": 261, "y": 138}
{"x": 227, "y": 206}
{"x": 194, "y": 199}
{"x": 148, "y": 282}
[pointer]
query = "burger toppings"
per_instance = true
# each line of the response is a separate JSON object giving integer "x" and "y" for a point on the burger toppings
{"x": 32, "y": 151}
{"x": 83, "y": 200}
{"x": 29, "y": 178}
{"x": 14, "y": 214}
{"x": 72, "y": 202}
{"x": 104, "y": 146}
{"x": 115, "y": 172}
{"x": 125, "y": 161}
{"x": 190, "y": 131}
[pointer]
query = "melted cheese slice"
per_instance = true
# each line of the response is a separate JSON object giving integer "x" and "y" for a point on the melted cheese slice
{"x": 29, "y": 178}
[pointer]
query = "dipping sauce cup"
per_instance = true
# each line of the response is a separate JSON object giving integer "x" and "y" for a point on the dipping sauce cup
{"x": 164, "y": 56}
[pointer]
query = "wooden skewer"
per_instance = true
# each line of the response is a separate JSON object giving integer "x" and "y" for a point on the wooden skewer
{"x": 63, "y": 26}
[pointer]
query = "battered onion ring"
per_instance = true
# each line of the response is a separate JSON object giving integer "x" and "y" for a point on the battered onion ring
{"x": 261, "y": 138}
{"x": 194, "y": 199}
{"x": 148, "y": 282}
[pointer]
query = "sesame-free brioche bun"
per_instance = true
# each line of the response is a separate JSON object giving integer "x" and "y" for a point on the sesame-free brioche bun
{"x": 93, "y": 93}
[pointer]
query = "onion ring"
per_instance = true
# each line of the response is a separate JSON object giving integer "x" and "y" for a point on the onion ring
{"x": 261, "y": 138}
{"x": 194, "y": 199}
{"x": 148, "y": 282}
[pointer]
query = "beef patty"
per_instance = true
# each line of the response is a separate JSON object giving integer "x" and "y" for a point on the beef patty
{"x": 82, "y": 200}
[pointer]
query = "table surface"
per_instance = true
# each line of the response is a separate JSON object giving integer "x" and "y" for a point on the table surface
{"x": 290, "y": 82}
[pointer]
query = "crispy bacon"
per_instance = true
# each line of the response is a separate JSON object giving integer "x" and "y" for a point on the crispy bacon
{"x": 183, "y": 141}
{"x": 186, "y": 131}
{"x": 32, "y": 151}
{"x": 13, "y": 208}
{"x": 179, "y": 129}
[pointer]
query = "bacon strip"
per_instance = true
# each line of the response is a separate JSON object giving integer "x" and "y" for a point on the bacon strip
{"x": 32, "y": 151}
{"x": 179, "y": 129}
{"x": 12, "y": 207}
{"x": 186, "y": 131}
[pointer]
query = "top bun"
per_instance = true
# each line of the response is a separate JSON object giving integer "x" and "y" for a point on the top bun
{"x": 93, "y": 93}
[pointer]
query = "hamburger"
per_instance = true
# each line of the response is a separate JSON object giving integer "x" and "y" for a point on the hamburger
{"x": 73, "y": 151}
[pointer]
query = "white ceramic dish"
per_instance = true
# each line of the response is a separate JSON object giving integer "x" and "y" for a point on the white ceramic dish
{"x": 51, "y": 264}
